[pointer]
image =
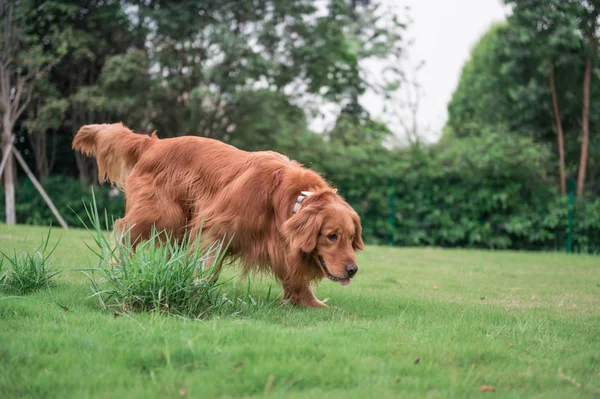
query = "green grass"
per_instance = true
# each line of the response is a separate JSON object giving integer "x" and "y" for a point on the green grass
{"x": 163, "y": 275}
{"x": 28, "y": 270}
{"x": 526, "y": 323}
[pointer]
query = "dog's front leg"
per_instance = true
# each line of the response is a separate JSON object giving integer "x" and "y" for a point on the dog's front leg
{"x": 301, "y": 295}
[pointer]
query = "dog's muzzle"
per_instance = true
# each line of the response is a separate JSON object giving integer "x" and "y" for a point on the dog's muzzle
{"x": 351, "y": 270}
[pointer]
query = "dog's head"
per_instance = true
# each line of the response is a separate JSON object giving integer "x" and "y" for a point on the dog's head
{"x": 328, "y": 231}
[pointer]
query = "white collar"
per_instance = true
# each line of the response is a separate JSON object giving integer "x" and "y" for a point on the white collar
{"x": 303, "y": 195}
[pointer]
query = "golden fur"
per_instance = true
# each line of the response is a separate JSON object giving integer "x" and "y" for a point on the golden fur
{"x": 189, "y": 183}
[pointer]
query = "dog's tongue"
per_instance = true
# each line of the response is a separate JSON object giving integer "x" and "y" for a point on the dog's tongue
{"x": 345, "y": 281}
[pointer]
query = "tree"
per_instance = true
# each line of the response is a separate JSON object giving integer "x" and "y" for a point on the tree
{"x": 377, "y": 32}
{"x": 46, "y": 113}
{"x": 548, "y": 29}
{"x": 483, "y": 94}
{"x": 99, "y": 30}
{"x": 589, "y": 25}
{"x": 24, "y": 59}
{"x": 562, "y": 32}
{"x": 525, "y": 78}
{"x": 235, "y": 71}
{"x": 207, "y": 55}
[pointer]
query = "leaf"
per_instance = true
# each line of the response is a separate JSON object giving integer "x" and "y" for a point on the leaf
{"x": 238, "y": 366}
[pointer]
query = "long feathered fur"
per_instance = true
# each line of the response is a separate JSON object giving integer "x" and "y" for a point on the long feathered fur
{"x": 117, "y": 149}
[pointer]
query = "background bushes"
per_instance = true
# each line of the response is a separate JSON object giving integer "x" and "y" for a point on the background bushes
{"x": 69, "y": 196}
{"x": 487, "y": 191}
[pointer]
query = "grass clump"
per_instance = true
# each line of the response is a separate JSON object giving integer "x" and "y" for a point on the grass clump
{"x": 28, "y": 271}
{"x": 163, "y": 274}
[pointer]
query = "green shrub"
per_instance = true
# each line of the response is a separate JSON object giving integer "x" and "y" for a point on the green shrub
{"x": 490, "y": 191}
{"x": 28, "y": 271}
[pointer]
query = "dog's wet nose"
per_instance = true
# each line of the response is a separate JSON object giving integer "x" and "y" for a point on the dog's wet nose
{"x": 351, "y": 270}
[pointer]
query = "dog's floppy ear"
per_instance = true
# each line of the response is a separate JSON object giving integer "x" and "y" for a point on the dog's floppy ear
{"x": 302, "y": 230}
{"x": 357, "y": 242}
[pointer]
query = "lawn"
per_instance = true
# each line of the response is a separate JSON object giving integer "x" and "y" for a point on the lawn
{"x": 422, "y": 323}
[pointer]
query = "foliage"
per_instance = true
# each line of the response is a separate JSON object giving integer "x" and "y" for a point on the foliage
{"x": 505, "y": 84}
{"x": 28, "y": 271}
{"x": 69, "y": 197}
{"x": 486, "y": 191}
{"x": 207, "y": 55}
{"x": 219, "y": 69}
{"x": 265, "y": 120}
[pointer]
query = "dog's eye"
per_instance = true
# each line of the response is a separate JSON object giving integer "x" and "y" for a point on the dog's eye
{"x": 332, "y": 237}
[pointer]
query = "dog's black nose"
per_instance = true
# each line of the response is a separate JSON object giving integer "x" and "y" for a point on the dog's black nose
{"x": 351, "y": 270}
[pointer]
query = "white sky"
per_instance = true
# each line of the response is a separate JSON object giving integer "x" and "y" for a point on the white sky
{"x": 444, "y": 32}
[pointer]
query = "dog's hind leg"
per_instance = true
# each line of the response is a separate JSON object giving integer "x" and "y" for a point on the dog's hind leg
{"x": 148, "y": 212}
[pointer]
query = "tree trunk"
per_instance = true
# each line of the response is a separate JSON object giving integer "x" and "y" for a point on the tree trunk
{"x": 53, "y": 152}
{"x": 585, "y": 120}
{"x": 37, "y": 141}
{"x": 82, "y": 167}
{"x": 9, "y": 190}
{"x": 9, "y": 173}
{"x": 559, "y": 136}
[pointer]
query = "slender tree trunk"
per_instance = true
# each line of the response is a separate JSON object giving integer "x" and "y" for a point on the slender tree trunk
{"x": 52, "y": 153}
{"x": 37, "y": 141}
{"x": 9, "y": 173}
{"x": 559, "y": 136}
{"x": 82, "y": 167}
{"x": 585, "y": 120}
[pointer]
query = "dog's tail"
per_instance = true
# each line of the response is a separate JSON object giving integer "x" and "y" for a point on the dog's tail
{"x": 117, "y": 149}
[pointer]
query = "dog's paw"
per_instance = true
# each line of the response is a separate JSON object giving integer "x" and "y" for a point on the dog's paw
{"x": 317, "y": 304}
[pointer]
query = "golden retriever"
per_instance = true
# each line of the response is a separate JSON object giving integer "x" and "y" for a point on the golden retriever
{"x": 283, "y": 218}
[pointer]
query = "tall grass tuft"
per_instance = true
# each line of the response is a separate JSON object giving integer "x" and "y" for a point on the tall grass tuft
{"x": 28, "y": 271}
{"x": 162, "y": 275}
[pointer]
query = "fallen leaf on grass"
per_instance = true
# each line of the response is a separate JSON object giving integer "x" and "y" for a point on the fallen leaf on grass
{"x": 487, "y": 388}
{"x": 509, "y": 346}
{"x": 417, "y": 360}
{"x": 238, "y": 366}
{"x": 182, "y": 392}
{"x": 435, "y": 287}
{"x": 396, "y": 380}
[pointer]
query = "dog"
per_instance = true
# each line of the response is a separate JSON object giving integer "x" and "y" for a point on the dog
{"x": 281, "y": 217}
